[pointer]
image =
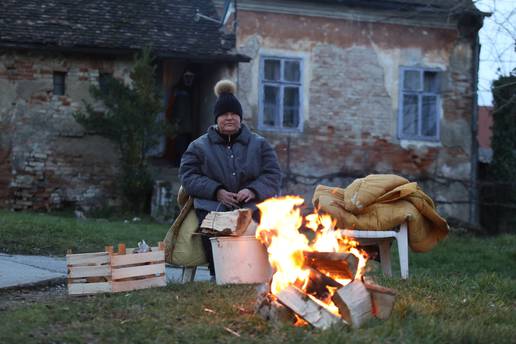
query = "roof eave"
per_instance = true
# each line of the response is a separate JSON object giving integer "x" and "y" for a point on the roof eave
{"x": 122, "y": 52}
{"x": 230, "y": 57}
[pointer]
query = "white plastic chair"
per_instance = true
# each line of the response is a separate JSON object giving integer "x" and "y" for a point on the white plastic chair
{"x": 383, "y": 239}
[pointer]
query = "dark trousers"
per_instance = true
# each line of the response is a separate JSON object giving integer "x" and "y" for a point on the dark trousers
{"x": 206, "y": 243}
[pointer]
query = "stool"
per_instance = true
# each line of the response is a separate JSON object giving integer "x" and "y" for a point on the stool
{"x": 383, "y": 239}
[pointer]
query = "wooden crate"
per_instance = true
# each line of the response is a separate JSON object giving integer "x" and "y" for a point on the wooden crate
{"x": 131, "y": 271}
{"x": 89, "y": 273}
{"x": 105, "y": 272}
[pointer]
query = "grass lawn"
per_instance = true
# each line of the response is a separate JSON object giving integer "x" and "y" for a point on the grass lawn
{"x": 464, "y": 291}
{"x": 43, "y": 234}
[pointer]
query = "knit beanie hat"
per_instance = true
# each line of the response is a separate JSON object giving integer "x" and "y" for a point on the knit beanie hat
{"x": 226, "y": 101}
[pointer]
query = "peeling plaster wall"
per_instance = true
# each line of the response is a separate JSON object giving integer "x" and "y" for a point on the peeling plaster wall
{"x": 351, "y": 86}
{"x": 46, "y": 158}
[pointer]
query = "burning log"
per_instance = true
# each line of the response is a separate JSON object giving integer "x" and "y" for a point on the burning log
{"x": 318, "y": 284}
{"x": 383, "y": 300}
{"x": 274, "y": 311}
{"x": 307, "y": 307}
{"x": 319, "y": 280}
{"x": 269, "y": 309}
{"x": 354, "y": 303}
{"x": 227, "y": 223}
{"x": 343, "y": 265}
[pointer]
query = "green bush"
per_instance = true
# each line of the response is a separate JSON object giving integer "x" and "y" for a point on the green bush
{"x": 498, "y": 192}
{"x": 129, "y": 119}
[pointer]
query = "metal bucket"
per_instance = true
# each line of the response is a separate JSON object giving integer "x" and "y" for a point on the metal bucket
{"x": 240, "y": 260}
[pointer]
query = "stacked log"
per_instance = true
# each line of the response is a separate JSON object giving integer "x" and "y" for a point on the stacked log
{"x": 234, "y": 223}
{"x": 357, "y": 301}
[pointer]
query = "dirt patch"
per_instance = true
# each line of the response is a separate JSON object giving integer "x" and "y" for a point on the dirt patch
{"x": 18, "y": 297}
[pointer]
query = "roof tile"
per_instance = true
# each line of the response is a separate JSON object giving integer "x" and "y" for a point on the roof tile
{"x": 169, "y": 27}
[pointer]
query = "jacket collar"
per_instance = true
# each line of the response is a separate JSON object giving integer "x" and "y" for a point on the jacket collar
{"x": 214, "y": 137}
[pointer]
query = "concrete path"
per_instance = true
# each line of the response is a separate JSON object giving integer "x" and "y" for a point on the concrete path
{"x": 28, "y": 270}
{"x": 20, "y": 271}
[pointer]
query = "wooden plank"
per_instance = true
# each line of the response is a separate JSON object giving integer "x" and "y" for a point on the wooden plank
{"x": 89, "y": 271}
{"x": 77, "y": 280}
{"x": 89, "y": 288}
{"x": 134, "y": 249}
{"x": 354, "y": 303}
{"x": 94, "y": 259}
{"x": 307, "y": 308}
{"x": 138, "y": 258}
{"x": 89, "y": 254}
{"x": 134, "y": 271}
{"x": 383, "y": 300}
{"x": 119, "y": 286}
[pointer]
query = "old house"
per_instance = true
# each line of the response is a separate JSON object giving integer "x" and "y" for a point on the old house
{"x": 50, "y": 54}
{"x": 345, "y": 88}
{"x": 341, "y": 88}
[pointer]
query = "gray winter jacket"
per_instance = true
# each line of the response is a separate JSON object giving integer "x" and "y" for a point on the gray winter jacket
{"x": 210, "y": 163}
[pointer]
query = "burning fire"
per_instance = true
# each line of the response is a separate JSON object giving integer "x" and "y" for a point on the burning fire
{"x": 279, "y": 230}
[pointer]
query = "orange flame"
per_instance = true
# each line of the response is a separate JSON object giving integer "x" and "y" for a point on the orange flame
{"x": 279, "y": 227}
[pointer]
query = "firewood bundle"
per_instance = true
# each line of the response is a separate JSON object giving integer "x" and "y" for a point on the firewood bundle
{"x": 233, "y": 223}
{"x": 332, "y": 280}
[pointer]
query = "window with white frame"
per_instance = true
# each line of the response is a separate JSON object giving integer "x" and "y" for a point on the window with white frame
{"x": 420, "y": 98}
{"x": 280, "y": 93}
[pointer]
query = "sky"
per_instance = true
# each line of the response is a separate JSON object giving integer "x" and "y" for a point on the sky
{"x": 498, "y": 44}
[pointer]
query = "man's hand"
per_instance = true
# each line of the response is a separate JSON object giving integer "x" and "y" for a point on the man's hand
{"x": 227, "y": 198}
{"x": 245, "y": 195}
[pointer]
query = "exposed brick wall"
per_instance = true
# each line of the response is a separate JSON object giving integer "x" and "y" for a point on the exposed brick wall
{"x": 46, "y": 159}
{"x": 350, "y": 126}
